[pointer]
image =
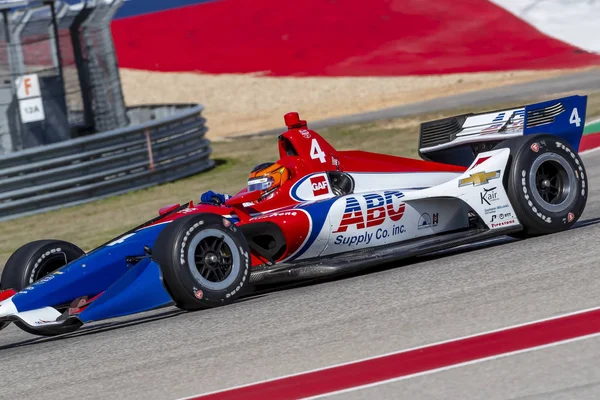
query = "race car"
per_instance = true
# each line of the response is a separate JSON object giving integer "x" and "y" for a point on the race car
{"x": 510, "y": 172}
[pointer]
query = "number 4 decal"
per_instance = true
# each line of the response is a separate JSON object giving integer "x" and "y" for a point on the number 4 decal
{"x": 316, "y": 152}
{"x": 574, "y": 119}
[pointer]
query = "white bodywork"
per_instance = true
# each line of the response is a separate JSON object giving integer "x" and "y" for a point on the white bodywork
{"x": 369, "y": 218}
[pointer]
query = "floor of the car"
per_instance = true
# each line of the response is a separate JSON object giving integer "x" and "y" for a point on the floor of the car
{"x": 363, "y": 258}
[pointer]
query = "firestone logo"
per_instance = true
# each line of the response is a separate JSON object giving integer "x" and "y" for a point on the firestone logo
{"x": 504, "y": 223}
{"x": 276, "y": 214}
{"x": 378, "y": 209}
{"x": 319, "y": 185}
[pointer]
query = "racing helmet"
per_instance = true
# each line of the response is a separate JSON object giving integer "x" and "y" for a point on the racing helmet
{"x": 267, "y": 177}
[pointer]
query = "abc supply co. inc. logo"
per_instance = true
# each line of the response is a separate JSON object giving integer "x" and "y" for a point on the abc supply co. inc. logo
{"x": 379, "y": 209}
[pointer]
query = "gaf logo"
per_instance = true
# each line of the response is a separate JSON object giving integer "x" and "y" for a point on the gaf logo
{"x": 319, "y": 185}
{"x": 378, "y": 209}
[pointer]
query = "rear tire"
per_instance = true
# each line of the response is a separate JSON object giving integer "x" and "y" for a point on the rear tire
{"x": 33, "y": 261}
{"x": 204, "y": 260}
{"x": 547, "y": 184}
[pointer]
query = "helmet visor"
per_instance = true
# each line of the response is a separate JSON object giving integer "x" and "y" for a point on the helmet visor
{"x": 262, "y": 183}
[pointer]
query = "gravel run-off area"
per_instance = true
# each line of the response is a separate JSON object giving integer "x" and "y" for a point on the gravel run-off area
{"x": 244, "y": 104}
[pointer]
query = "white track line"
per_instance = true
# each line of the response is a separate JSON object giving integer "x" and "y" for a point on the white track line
{"x": 415, "y": 348}
{"x": 464, "y": 364}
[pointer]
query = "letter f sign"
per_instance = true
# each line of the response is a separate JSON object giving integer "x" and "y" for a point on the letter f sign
{"x": 27, "y": 85}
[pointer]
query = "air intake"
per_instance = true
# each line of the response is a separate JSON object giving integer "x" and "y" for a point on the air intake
{"x": 441, "y": 131}
{"x": 542, "y": 116}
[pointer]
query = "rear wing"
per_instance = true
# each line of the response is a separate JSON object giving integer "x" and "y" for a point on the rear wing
{"x": 563, "y": 117}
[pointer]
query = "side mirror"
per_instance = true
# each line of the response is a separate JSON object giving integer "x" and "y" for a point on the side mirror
{"x": 237, "y": 202}
{"x": 242, "y": 198}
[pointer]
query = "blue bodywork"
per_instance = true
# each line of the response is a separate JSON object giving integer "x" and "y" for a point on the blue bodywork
{"x": 566, "y": 118}
{"x": 127, "y": 288}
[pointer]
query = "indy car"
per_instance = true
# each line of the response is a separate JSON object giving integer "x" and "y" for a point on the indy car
{"x": 510, "y": 172}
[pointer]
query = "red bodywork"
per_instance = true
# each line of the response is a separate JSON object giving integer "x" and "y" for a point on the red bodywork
{"x": 298, "y": 153}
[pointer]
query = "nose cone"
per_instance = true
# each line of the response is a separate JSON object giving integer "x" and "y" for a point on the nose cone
{"x": 5, "y": 294}
{"x": 7, "y": 307}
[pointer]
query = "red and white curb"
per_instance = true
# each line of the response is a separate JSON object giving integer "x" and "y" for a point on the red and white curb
{"x": 423, "y": 360}
{"x": 589, "y": 142}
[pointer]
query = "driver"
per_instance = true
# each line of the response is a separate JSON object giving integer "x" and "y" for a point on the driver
{"x": 266, "y": 177}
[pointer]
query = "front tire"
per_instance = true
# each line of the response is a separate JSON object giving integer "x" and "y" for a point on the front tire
{"x": 34, "y": 260}
{"x": 547, "y": 185}
{"x": 204, "y": 260}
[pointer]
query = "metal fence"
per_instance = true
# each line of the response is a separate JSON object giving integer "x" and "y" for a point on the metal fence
{"x": 108, "y": 106}
{"x": 70, "y": 52}
{"x": 79, "y": 142}
{"x": 170, "y": 145}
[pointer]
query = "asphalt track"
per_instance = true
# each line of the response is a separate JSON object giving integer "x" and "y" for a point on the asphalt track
{"x": 168, "y": 354}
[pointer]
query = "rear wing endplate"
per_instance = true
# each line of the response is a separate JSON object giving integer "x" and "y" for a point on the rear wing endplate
{"x": 564, "y": 117}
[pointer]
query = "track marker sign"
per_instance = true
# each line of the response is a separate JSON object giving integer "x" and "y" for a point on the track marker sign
{"x": 30, "y": 101}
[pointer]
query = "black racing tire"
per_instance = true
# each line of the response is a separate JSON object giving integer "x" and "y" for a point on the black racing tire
{"x": 547, "y": 184}
{"x": 35, "y": 260}
{"x": 204, "y": 260}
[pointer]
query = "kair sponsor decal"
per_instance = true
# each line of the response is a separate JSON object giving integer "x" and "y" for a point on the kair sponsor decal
{"x": 319, "y": 185}
{"x": 479, "y": 178}
{"x": 379, "y": 208}
{"x": 427, "y": 221}
{"x": 488, "y": 196}
{"x": 535, "y": 147}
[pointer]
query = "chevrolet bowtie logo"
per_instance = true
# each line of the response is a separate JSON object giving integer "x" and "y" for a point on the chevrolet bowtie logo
{"x": 479, "y": 178}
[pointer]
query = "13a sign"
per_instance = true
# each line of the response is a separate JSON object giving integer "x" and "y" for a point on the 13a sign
{"x": 29, "y": 94}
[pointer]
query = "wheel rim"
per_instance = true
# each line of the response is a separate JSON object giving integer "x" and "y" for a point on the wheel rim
{"x": 553, "y": 182}
{"x": 50, "y": 264}
{"x": 213, "y": 259}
